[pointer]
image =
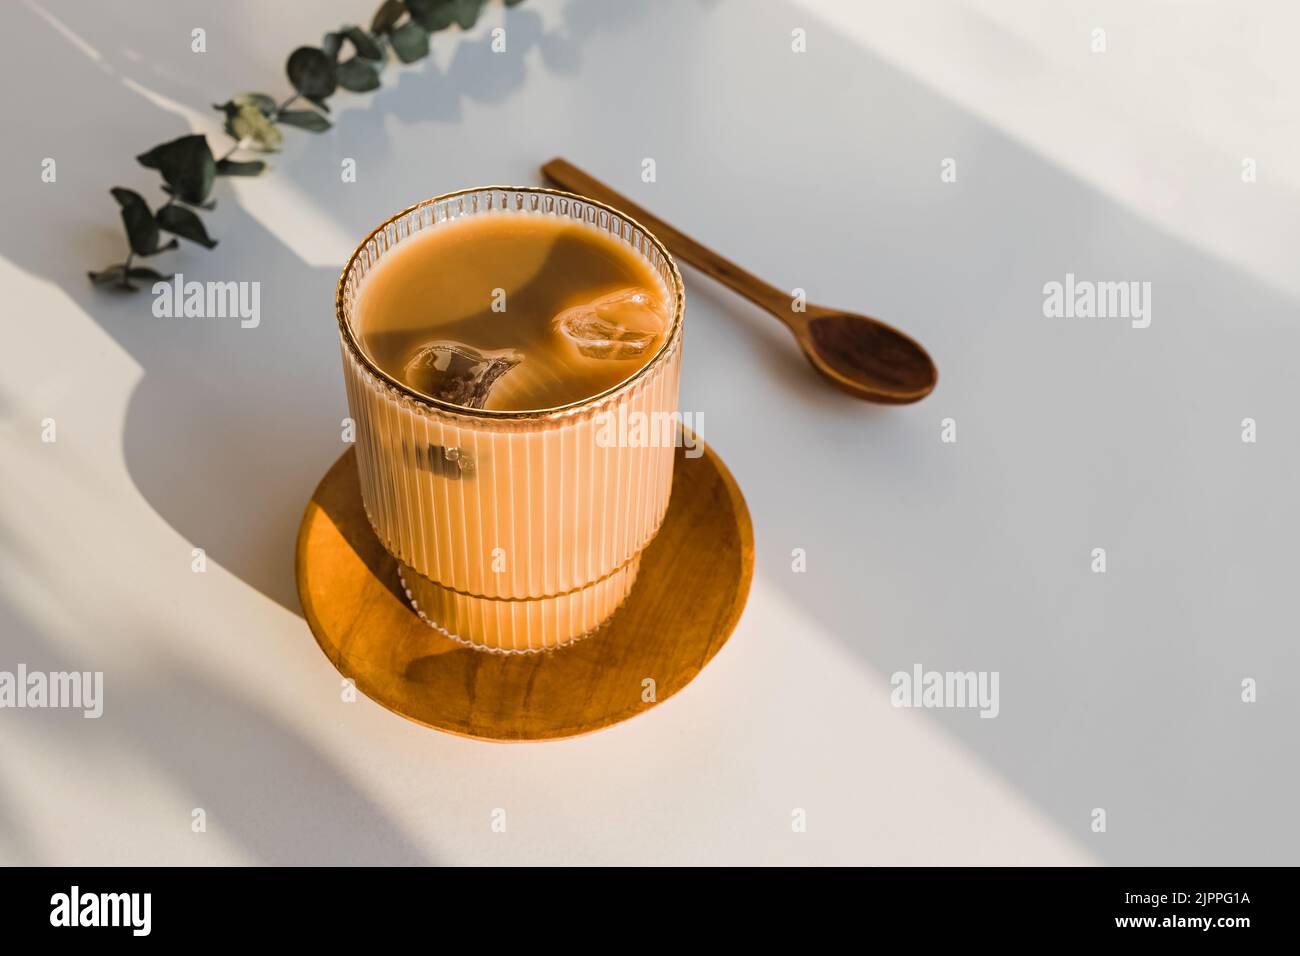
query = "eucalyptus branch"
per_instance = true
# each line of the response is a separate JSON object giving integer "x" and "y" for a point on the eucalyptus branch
{"x": 254, "y": 122}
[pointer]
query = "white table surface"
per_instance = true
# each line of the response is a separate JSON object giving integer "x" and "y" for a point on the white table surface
{"x": 819, "y": 170}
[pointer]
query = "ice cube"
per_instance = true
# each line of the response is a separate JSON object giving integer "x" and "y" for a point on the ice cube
{"x": 621, "y": 325}
{"x": 458, "y": 373}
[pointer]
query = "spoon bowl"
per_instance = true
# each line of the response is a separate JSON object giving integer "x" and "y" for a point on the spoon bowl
{"x": 867, "y": 358}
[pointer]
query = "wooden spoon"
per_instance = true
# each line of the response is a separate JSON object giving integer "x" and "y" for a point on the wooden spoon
{"x": 860, "y": 354}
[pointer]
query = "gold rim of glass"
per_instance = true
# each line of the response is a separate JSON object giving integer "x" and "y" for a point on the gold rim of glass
{"x": 354, "y": 346}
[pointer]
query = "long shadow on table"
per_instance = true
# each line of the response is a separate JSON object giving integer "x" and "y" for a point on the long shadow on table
{"x": 259, "y": 782}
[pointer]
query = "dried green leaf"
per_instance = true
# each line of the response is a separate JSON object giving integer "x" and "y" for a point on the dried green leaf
{"x": 331, "y": 43}
{"x": 186, "y": 224}
{"x": 141, "y": 230}
{"x": 410, "y": 42}
{"x": 305, "y": 119}
{"x": 358, "y": 75}
{"x": 109, "y": 274}
{"x": 311, "y": 72}
{"x": 232, "y": 167}
{"x": 248, "y": 124}
{"x": 263, "y": 102}
{"x": 386, "y": 17}
{"x": 466, "y": 12}
{"x": 433, "y": 15}
{"x": 364, "y": 43}
{"x": 186, "y": 164}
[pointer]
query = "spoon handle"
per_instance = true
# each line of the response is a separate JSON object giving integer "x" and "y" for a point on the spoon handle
{"x": 567, "y": 176}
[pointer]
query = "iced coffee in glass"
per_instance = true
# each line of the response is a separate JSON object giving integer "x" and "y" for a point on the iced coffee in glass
{"x": 510, "y": 355}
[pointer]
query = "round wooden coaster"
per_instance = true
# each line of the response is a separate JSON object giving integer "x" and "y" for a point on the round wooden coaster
{"x": 691, "y": 588}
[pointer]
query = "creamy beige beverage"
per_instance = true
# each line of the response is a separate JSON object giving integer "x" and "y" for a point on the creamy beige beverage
{"x": 512, "y": 311}
{"x": 500, "y": 349}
